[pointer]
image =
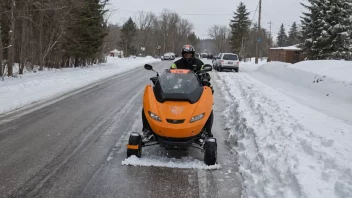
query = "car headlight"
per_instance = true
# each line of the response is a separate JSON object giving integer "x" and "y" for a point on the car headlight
{"x": 154, "y": 116}
{"x": 197, "y": 117}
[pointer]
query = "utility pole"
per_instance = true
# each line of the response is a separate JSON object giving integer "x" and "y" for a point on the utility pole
{"x": 269, "y": 41}
{"x": 259, "y": 31}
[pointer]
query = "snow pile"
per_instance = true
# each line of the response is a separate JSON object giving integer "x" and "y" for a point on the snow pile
{"x": 323, "y": 85}
{"x": 185, "y": 162}
{"x": 32, "y": 87}
{"x": 338, "y": 70}
{"x": 285, "y": 148}
{"x": 327, "y": 77}
{"x": 250, "y": 65}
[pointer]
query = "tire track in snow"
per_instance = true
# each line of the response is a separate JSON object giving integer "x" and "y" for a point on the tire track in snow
{"x": 247, "y": 116}
{"x": 280, "y": 156}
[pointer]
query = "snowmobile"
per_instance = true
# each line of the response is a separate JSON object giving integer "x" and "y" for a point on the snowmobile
{"x": 177, "y": 110}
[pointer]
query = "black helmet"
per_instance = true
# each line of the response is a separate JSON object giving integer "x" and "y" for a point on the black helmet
{"x": 188, "y": 49}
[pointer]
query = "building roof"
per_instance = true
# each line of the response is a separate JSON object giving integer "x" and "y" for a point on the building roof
{"x": 289, "y": 48}
{"x": 115, "y": 51}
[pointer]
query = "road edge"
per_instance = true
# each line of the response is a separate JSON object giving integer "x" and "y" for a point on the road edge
{"x": 19, "y": 112}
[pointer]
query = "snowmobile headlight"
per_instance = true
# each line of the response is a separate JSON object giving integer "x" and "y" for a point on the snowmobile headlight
{"x": 154, "y": 116}
{"x": 197, "y": 117}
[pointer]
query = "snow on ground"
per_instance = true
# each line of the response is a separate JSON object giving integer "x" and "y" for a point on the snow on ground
{"x": 33, "y": 87}
{"x": 323, "y": 85}
{"x": 249, "y": 65}
{"x": 185, "y": 162}
{"x": 286, "y": 146}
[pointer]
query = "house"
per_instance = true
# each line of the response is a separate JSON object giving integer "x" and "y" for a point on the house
{"x": 291, "y": 54}
{"x": 116, "y": 53}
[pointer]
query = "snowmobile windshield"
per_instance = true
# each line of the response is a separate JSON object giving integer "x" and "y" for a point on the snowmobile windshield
{"x": 178, "y": 87}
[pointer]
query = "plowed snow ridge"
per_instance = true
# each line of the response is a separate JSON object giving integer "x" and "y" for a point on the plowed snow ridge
{"x": 285, "y": 149}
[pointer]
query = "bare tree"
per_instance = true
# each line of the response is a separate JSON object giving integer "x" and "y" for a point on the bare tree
{"x": 51, "y": 33}
{"x": 144, "y": 21}
{"x": 184, "y": 30}
{"x": 112, "y": 39}
{"x": 169, "y": 21}
{"x": 220, "y": 35}
{"x": 1, "y": 46}
{"x": 11, "y": 50}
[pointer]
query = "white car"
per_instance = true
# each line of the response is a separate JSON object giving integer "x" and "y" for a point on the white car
{"x": 227, "y": 61}
{"x": 168, "y": 56}
{"x": 197, "y": 55}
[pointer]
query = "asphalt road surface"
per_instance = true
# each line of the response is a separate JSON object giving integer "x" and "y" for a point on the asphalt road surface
{"x": 75, "y": 146}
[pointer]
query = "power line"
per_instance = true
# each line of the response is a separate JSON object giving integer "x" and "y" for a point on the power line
{"x": 255, "y": 13}
{"x": 186, "y": 14}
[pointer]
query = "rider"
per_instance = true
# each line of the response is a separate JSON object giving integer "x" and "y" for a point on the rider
{"x": 188, "y": 61}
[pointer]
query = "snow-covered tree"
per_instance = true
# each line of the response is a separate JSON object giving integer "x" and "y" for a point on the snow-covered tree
{"x": 326, "y": 29}
{"x": 282, "y": 37}
{"x": 293, "y": 35}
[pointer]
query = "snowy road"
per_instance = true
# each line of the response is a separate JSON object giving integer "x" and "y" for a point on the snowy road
{"x": 74, "y": 148}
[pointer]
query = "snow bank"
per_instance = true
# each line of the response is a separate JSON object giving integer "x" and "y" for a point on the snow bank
{"x": 337, "y": 70}
{"x": 250, "y": 65}
{"x": 285, "y": 149}
{"x": 332, "y": 78}
{"x": 322, "y": 85}
{"x": 32, "y": 87}
{"x": 185, "y": 162}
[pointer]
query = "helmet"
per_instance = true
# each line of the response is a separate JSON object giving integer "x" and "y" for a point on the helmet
{"x": 188, "y": 49}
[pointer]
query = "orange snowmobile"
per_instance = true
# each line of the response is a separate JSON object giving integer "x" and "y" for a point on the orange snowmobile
{"x": 177, "y": 112}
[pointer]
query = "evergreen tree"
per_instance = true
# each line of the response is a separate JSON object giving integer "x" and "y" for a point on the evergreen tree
{"x": 326, "y": 29}
{"x": 250, "y": 43}
{"x": 239, "y": 27}
{"x": 86, "y": 34}
{"x": 193, "y": 39}
{"x": 282, "y": 37}
{"x": 128, "y": 33}
{"x": 293, "y": 38}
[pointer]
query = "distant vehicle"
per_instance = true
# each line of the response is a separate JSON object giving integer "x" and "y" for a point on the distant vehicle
{"x": 227, "y": 61}
{"x": 168, "y": 56}
{"x": 173, "y": 56}
{"x": 204, "y": 55}
{"x": 197, "y": 55}
{"x": 210, "y": 56}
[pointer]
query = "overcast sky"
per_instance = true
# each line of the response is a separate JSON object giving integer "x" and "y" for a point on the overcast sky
{"x": 205, "y": 13}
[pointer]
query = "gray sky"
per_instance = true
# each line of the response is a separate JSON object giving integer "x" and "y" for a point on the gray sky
{"x": 204, "y": 14}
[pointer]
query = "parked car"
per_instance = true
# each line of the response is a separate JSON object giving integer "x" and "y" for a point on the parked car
{"x": 204, "y": 55}
{"x": 210, "y": 56}
{"x": 173, "y": 56}
{"x": 168, "y": 56}
{"x": 227, "y": 61}
{"x": 197, "y": 55}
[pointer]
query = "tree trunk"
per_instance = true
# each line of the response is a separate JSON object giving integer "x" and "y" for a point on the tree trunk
{"x": 23, "y": 41}
{"x": 76, "y": 62}
{"x": 126, "y": 49}
{"x": 41, "y": 67}
{"x": 1, "y": 47}
{"x": 11, "y": 53}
